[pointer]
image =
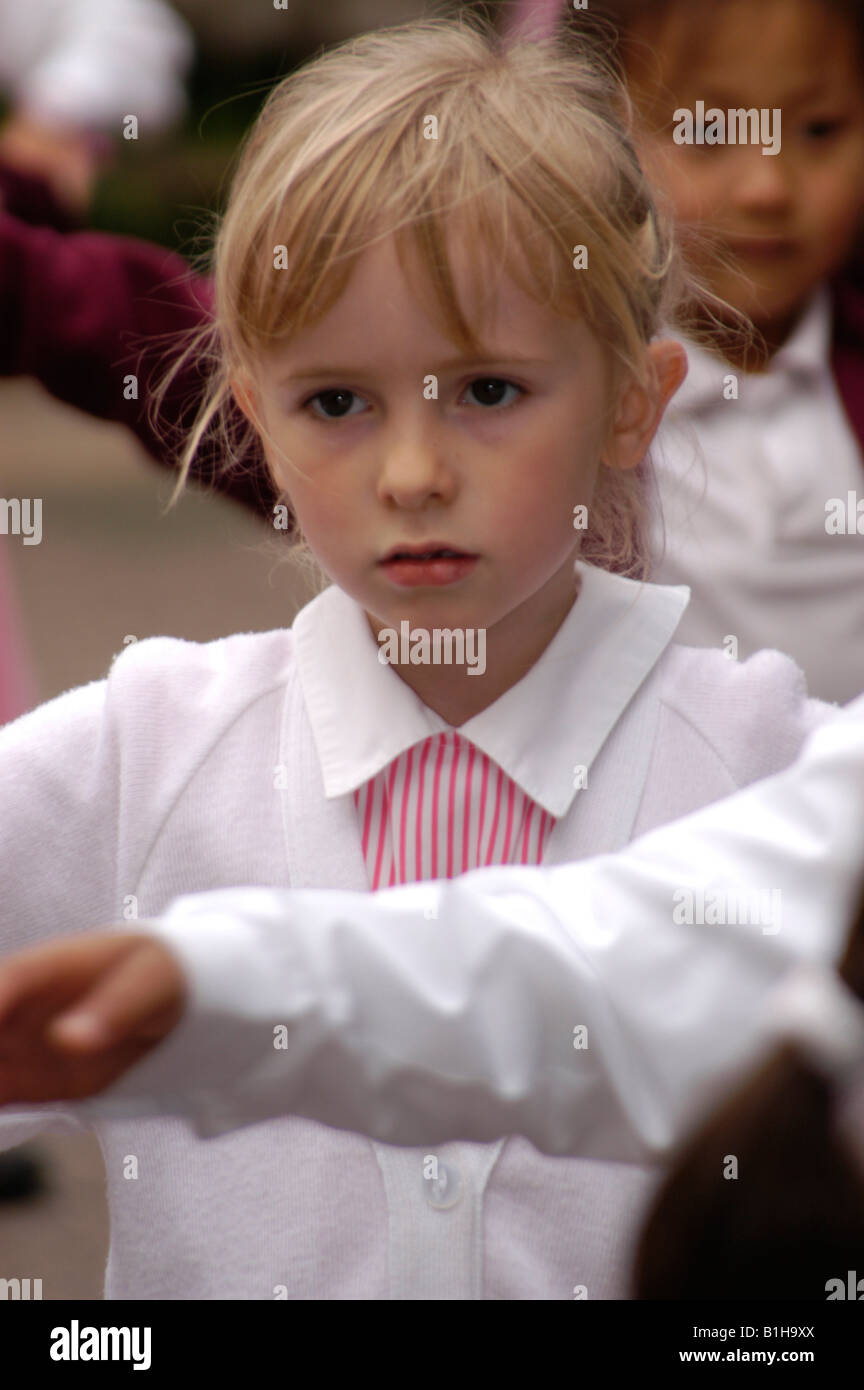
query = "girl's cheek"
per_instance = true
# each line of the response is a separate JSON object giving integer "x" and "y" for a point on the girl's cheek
{"x": 839, "y": 193}
{"x": 700, "y": 195}
{"x": 689, "y": 199}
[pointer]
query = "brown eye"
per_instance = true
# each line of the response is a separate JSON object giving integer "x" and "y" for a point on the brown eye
{"x": 823, "y": 129}
{"x": 488, "y": 390}
{"x": 339, "y": 398}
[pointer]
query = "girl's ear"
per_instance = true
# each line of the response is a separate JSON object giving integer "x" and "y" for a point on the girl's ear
{"x": 641, "y": 408}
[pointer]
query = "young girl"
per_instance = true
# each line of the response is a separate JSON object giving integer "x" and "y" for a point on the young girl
{"x": 438, "y": 287}
{"x": 757, "y": 520}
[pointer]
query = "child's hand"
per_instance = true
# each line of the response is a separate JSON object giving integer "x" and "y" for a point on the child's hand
{"x": 64, "y": 159}
{"x": 75, "y": 1014}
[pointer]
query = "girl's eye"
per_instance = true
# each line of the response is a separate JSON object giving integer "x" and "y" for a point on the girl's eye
{"x": 818, "y": 130}
{"x": 336, "y": 402}
{"x": 488, "y": 389}
{"x": 338, "y": 397}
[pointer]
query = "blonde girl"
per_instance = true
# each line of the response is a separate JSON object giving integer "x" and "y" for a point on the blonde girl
{"x": 440, "y": 286}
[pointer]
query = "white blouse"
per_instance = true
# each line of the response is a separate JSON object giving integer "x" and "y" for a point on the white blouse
{"x": 746, "y": 486}
{"x": 199, "y": 767}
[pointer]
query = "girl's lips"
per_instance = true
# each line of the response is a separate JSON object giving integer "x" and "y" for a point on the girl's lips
{"x": 761, "y": 248}
{"x": 443, "y": 570}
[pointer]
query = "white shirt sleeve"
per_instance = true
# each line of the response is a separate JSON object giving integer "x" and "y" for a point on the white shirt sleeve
{"x": 89, "y": 63}
{"x": 454, "y": 1009}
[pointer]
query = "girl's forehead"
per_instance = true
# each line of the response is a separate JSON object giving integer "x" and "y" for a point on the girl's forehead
{"x": 383, "y": 285}
{"x": 394, "y": 315}
{"x": 512, "y": 327}
{"x": 728, "y": 46}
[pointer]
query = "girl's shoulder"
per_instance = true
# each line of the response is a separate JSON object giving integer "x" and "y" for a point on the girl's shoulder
{"x": 233, "y": 669}
{"x": 160, "y": 692}
{"x": 755, "y": 714}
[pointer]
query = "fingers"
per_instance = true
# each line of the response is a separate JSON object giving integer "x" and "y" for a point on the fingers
{"x": 113, "y": 981}
{"x": 45, "y": 1074}
{"x": 142, "y": 996}
{"x": 75, "y": 1014}
{"x": 58, "y": 970}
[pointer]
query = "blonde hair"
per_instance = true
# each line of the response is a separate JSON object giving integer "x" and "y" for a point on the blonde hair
{"x": 533, "y": 153}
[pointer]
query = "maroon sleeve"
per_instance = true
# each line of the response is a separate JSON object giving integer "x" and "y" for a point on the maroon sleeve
{"x": 30, "y": 197}
{"x": 80, "y": 311}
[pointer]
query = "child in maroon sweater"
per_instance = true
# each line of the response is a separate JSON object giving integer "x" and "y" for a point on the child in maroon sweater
{"x": 81, "y": 311}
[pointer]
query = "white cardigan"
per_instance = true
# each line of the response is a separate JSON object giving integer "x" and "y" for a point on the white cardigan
{"x": 445, "y": 1010}
{"x": 129, "y": 789}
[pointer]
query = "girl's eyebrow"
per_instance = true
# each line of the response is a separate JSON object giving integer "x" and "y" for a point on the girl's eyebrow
{"x": 329, "y": 369}
{"x": 813, "y": 91}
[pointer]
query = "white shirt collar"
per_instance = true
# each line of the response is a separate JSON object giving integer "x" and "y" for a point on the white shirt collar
{"x": 558, "y": 716}
{"x": 805, "y": 355}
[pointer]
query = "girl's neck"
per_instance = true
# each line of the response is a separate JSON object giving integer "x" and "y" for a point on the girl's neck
{"x": 509, "y": 653}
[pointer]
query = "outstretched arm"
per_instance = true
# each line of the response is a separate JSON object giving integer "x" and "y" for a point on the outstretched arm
{"x": 574, "y": 1005}
{"x": 83, "y": 312}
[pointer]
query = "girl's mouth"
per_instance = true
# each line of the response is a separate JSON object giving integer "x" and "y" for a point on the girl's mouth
{"x": 761, "y": 248}
{"x": 435, "y": 566}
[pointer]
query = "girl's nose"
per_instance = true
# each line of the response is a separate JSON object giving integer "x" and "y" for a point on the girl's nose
{"x": 762, "y": 182}
{"x": 414, "y": 466}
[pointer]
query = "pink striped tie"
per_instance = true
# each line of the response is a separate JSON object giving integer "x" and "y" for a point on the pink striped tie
{"x": 443, "y": 808}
